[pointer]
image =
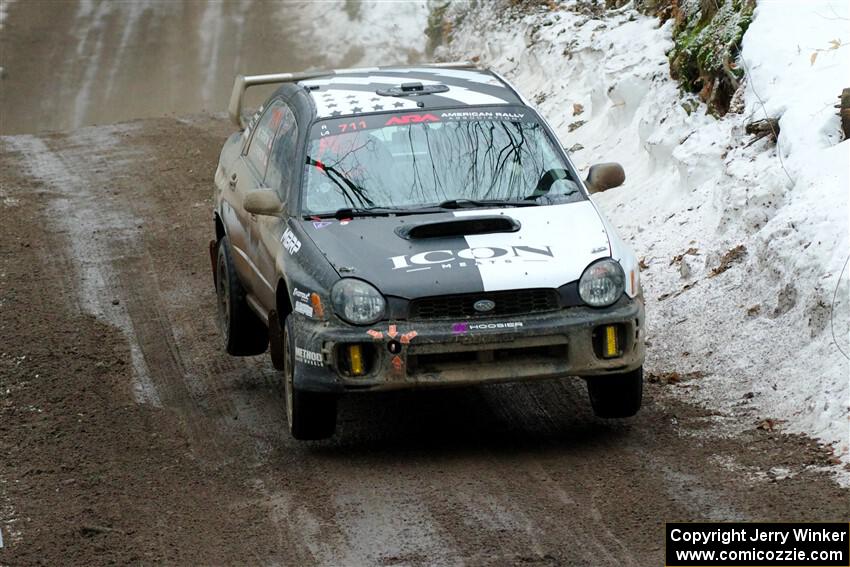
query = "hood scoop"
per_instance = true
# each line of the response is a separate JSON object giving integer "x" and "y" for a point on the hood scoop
{"x": 459, "y": 227}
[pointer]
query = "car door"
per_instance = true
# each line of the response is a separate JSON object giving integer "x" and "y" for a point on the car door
{"x": 250, "y": 172}
{"x": 280, "y": 176}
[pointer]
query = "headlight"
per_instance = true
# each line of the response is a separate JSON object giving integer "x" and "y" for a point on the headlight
{"x": 357, "y": 302}
{"x": 602, "y": 283}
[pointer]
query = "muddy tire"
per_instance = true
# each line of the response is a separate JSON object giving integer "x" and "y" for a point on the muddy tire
{"x": 275, "y": 341}
{"x": 310, "y": 415}
{"x": 617, "y": 395}
{"x": 244, "y": 333}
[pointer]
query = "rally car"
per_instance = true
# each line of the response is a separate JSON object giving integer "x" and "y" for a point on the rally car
{"x": 405, "y": 227}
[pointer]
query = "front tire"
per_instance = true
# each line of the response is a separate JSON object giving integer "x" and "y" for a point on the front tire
{"x": 244, "y": 332}
{"x": 616, "y": 395}
{"x": 310, "y": 415}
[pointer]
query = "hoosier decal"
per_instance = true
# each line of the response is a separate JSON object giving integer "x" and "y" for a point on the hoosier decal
{"x": 493, "y": 326}
{"x": 465, "y": 326}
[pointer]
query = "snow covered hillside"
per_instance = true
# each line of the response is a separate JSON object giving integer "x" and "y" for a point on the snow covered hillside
{"x": 743, "y": 242}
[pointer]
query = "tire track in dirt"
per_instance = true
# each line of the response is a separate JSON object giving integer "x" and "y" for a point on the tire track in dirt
{"x": 522, "y": 497}
{"x": 87, "y": 169}
{"x": 237, "y": 394}
{"x": 89, "y": 476}
{"x": 85, "y": 252}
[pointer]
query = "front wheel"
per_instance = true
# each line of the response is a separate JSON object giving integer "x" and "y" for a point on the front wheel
{"x": 616, "y": 395}
{"x": 310, "y": 415}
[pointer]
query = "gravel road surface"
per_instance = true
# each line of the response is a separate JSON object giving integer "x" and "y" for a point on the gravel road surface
{"x": 128, "y": 435}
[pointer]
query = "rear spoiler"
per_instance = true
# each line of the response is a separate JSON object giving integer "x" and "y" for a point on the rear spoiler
{"x": 242, "y": 82}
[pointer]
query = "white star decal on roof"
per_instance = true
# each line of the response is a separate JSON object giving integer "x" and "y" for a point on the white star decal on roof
{"x": 338, "y": 102}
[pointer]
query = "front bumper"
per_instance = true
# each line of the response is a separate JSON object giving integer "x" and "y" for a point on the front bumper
{"x": 410, "y": 354}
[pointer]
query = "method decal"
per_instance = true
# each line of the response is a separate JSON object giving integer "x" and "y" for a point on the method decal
{"x": 305, "y": 356}
{"x": 290, "y": 241}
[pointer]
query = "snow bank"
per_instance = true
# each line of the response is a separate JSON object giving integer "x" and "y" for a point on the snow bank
{"x": 396, "y": 30}
{"x": 742, "y": 256}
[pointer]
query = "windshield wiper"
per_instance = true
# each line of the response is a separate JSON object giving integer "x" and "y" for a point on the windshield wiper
{"x": 472, "y": 203}
{"x": 351, "y": 212}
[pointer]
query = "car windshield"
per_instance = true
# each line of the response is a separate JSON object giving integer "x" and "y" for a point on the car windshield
{"x": 432, "y": 160}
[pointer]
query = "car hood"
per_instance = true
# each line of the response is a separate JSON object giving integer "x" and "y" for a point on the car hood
{"x": 552, "y": 246}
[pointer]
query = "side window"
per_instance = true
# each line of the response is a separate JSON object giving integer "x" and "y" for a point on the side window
{"x": 259, "y": 149}
{"x": 282, "y": 162}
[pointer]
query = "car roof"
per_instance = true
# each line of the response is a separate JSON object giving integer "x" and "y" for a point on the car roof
{"x": 368, "y": 91}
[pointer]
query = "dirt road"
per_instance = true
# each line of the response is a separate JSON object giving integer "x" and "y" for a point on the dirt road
{"x": 70, "y": 63}
{"x": 127, "y": 434}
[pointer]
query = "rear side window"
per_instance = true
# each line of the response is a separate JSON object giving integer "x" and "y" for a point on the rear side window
{"x": 279, "y": 175}
{"x": 259, "y": 149}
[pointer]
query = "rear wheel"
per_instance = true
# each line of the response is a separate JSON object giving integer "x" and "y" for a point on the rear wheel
{"x": 616, "y": 395}
{"x": 310, "y": 415}
{"x": 244, "y": 332}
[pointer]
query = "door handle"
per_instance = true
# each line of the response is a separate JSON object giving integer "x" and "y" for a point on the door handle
{"x": 233, "y": 181}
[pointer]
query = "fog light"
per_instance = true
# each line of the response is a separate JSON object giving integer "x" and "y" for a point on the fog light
{"x": 355, "y": 360}
{"x": 612, "y": 346}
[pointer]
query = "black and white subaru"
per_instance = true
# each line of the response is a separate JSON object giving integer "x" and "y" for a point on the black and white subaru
{"x": 417, "y": 227}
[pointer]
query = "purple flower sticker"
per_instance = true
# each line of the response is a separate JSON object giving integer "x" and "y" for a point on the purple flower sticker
{"x": 460, "y": 328}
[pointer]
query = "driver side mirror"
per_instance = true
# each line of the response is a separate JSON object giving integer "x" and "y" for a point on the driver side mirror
{"x": 263, "y": 202}
{"x": 604, "y": 176}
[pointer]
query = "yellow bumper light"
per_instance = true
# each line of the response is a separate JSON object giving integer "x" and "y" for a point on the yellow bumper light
{"x": 355, "y": 359}
{"x": 612, "y": 346}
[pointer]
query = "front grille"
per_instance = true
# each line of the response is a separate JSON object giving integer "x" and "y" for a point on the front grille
{"x": 461, "y": 306}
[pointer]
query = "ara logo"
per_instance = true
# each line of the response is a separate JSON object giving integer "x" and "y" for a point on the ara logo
{"x": 411, "y": 119}
{"x": 478, "y": 256}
